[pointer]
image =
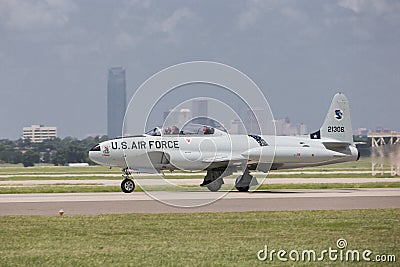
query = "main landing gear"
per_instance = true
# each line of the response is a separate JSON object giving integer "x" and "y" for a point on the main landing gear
{"x": 244, "y": 181}
{"x": 214, "y": 180}
{"x": 127, "y": 185}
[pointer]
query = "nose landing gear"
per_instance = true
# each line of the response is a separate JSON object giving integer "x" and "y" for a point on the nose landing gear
{"x": 127, "y": 185}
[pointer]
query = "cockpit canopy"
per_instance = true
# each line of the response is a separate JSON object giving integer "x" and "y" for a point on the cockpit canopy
{"x": 189, "y": 129}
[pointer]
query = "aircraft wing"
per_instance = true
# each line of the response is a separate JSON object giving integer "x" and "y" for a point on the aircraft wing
{"x": 223, "y": 161}
{"x": 341, "y": 147}
{"x": 223, "y": 158}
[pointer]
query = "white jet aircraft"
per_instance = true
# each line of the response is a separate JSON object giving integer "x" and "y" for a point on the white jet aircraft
{"x": 198, "y": 147}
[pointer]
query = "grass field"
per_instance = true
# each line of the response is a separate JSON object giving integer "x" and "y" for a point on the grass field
{"x": 47, "y": 169}
{"x": 271, "y": 175}
{"x": 196, "y": 239}
{"x": 45, "y": 172}
{"x": 362, "y": 164}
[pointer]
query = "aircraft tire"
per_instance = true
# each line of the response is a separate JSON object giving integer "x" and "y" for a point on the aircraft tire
{"x": 215, "y": 185}
{"x": 243, "y": 189}
{"x": 127, "y": 186}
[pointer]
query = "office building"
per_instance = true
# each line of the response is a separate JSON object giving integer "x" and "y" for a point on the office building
{"x": 255, "y": 121}
{"x": 237, "y": 127}
{"x": 303, "y": 130}
{"x": 39, "y": 133}
{"x": 177, "y": 117}
{"x": 116, "y": 101}
{"x": 199, "y": 108}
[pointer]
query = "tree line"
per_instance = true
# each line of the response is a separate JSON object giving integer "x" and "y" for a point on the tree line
{"x": 55, "y": 151}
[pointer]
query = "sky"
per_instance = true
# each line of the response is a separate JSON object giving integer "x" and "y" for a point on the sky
{"x": 55, "y": 55}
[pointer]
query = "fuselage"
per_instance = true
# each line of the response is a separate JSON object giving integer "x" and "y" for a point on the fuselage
{"x": 197, "y": 147}
{"x": 147, "y": 153}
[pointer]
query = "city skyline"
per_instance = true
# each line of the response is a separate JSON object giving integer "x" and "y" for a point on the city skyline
{"x": 193, "y": 109}
{"x": 54, "y": 56}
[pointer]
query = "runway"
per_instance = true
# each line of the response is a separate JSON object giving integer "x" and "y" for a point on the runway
{"x": 179, "y": 202}
{"x": 154, "y": 182}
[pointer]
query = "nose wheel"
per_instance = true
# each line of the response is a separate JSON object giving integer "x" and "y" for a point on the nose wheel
{"x": 127, "y": 185}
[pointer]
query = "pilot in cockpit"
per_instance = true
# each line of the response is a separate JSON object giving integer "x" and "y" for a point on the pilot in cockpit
{"x": 174, "y": 130}
{"x": 207, "y": 130}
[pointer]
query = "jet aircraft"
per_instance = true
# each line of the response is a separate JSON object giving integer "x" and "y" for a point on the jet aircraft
{"x": 201, "y": 147}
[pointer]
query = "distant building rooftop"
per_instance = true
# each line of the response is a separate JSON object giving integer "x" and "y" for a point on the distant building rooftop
{"x": 39, "y": 133}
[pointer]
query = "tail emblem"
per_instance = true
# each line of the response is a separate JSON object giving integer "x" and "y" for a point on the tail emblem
{"x": 338, "y": 114}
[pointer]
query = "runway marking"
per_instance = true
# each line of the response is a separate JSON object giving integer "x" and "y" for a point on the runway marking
{"x": 199, "y": 181}
{"x": 119, "y": 196}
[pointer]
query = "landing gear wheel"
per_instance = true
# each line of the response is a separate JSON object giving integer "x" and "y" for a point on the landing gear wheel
{"x": 214, "y": 186}
{"x": 243, "y": 189}
{"x": 127, "y": 186}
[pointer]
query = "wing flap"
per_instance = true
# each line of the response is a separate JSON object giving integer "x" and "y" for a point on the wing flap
{"x": 222, "y": 158}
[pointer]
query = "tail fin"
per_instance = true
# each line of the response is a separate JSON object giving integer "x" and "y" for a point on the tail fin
{"x": 337, "y": 124}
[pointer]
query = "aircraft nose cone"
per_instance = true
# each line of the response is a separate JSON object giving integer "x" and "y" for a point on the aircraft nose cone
{"x": 95, "y": 154}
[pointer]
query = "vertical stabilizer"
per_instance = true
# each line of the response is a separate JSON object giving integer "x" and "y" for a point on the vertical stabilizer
{"x": 337, "y": 124}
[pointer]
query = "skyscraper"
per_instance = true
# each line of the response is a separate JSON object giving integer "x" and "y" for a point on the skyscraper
{"x": 255, "y": 121}
{"x": 116, "y": 101}
{"x": 199, "y": 108}
{"x": 200, "y": 111}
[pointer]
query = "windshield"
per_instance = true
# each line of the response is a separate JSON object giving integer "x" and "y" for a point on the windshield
{"x": 154, "y": 132}
{"x": 189, "y": 129}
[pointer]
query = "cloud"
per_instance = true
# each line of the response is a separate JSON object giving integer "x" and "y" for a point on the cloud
{"x": 249, "y": 16}
{"x": 126, "y": 40}
{"x": 256, "y": 11}
{"x": 130, "y": 8}
{"x": 135, "y": 29}
{"x": 377, "y": 7}
{"x": 170, "y": 24}
{"x": 28, "y": 15}
{"x": 294, "y": 14}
